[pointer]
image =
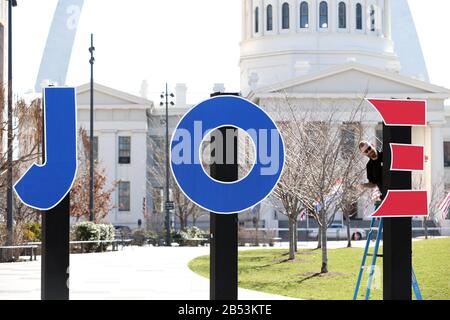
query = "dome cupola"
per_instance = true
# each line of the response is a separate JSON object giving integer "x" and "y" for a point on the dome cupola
{"x": 283, "y": 39}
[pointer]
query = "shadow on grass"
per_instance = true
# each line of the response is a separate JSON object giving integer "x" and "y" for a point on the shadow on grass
{"x": 312, "y": 276}
{"x": 277, "y": 262}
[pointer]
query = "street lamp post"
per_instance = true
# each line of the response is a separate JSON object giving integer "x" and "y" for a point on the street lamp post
{"x": 9, "y": 194}
{"x": 91, "y": 143}
{"x": 167, "y": 204}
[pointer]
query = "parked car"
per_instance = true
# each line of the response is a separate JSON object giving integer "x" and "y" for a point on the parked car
{"x": 339, "y": 231}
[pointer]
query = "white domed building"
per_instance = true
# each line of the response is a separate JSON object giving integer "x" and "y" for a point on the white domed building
{"x": 338, "y": 52}
{"x": 283, "y": 40}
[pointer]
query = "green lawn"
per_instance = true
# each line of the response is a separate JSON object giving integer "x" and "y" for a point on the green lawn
{"x": 268, "y": 271}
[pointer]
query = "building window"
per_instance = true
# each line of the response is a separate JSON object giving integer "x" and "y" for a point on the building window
{"x": 124, "y": 150}
{"x": 257, "y": 20}
{"x": 372, "y": 18}
{"x": 447, "y": 154}
{"x": 95, "y": 148}
{"x": 323, "y": 12}
{"x": 285, "y": 16}
{"x": 359, "y": 18}
{"x": 124, "y": 196}
{"x": 350, "y": 132}
{"x": 269, "y": 18}
{"x": 342, "y": 15}
{"x": 304, "y": 15}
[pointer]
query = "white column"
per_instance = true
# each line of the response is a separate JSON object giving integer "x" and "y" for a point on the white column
{"x": 366, "y": 21}
{"x": 262, "y": 18}
{"x": 332, "y": 16}
{"x": 313, "y": 16}
{"x": 138, "y": 181}
{"x": 370, "y": 132}
{"x": 437, "y": 155}
{"x": 249, "y": 19}
{"x": 293, "y": 23}
{"x": 387, "y": 20}
{"x": 277, "y": 16}
{"x": 107, "y": 152}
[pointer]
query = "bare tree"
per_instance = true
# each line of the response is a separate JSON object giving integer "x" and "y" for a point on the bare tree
{"x": 80, "y": 193}
{"x": 436, "y": 195}
{"x": 320, "y": 165}
{"x": 184, "y": 208}
{"x": 27, "y": 132}
{"x": 287, "y": 195}
{"x": 351, "y": 134}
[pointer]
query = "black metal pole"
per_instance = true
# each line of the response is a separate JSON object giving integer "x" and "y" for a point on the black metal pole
{"x": 9, "y": 192}
{"x": 224, "y": 231}
{"x": 167, "y": 195}
{"x": 55, "y": 250}
{"x": 397, "y": 232}
{"x": 91, "y": 138}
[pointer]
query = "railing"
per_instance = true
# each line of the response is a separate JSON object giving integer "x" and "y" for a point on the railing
{"x": 114, "y": 243}
{"x": 32, "y": 251}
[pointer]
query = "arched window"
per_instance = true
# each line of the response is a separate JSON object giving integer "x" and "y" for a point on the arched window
{"x": 342, "y": 15}
{"x": 372, "y": 18}
{"x": 285, "y": 16}
{"x": 304, "y": 15}
{"x": 269, "y": 18}
{"x": 323, "y": 12}
{"x": 256, "y": 19}
{"x": 359, "y": 17}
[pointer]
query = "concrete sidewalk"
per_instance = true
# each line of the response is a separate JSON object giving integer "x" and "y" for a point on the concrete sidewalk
{"x": 149, "y": 273}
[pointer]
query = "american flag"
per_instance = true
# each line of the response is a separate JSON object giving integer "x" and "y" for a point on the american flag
{"x": 303, "y": 215}
{"x": 256, "y": 209}
{"x": 444, "y": 205}
{"x": 375, "y": 195}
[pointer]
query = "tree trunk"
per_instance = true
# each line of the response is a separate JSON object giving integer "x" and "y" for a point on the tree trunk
{"x": 296, "y": 236}
{"x": 194, "y": 221}
{"x": 319, "y": 237}
{"x": 186, "y": 218}
{"x": 182, "y": 222}
{"x": 256, "y": 234}
{"x": 349, "y": 238}
{"x": 425, "y": 227}
{"x": 324, "y": 268}
{"x": 291, "y": 240}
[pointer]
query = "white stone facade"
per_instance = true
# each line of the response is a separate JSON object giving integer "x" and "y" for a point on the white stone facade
{"x": 337, "y": 64}
{"x": 118, "y": 114}
{"x": 269, "y": 57}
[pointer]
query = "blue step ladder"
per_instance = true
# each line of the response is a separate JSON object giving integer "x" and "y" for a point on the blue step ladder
{"x": 375, "y": 255}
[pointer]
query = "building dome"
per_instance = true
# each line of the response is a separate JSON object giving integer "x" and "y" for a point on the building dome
{"x": 283, "y": 39}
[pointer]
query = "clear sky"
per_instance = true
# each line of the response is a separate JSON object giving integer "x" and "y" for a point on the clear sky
{"x": 194, "y": 42}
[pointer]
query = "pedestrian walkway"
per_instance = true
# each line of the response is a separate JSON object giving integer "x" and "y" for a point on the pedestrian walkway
{"x": 141, "y": 273}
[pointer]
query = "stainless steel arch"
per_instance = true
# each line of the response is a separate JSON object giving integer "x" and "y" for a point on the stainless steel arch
{"x": 58, "y": 49}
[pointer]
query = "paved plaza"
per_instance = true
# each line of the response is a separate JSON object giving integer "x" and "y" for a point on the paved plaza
{"x": 151, "y": 273}
{"x": 135, "y": 273}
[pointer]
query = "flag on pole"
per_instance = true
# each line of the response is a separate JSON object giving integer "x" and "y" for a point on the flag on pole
{"x": 444, "y": 205}
{"x": 256, "y": 209}
{"x": 303, "y": 215}
{"x": 375, "y": 195}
